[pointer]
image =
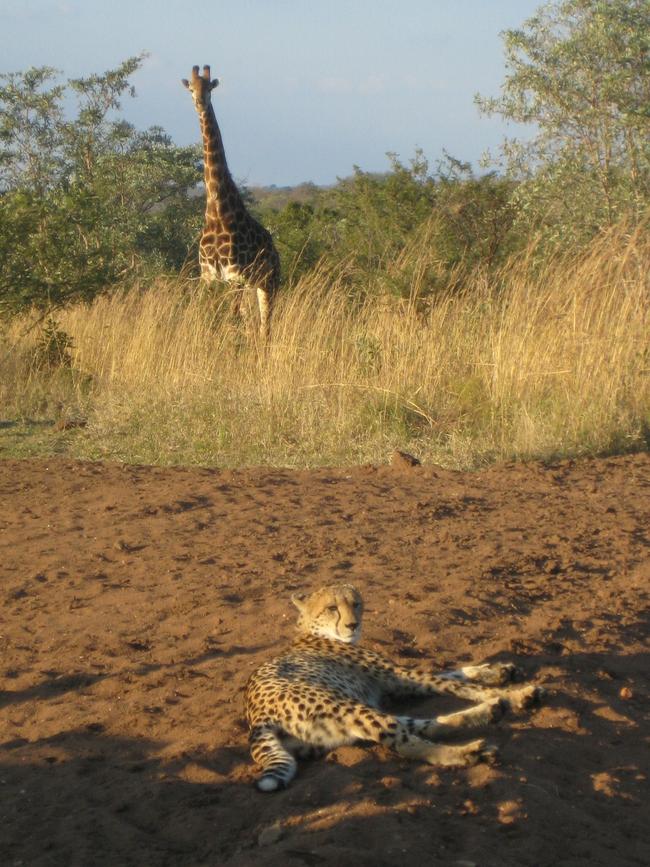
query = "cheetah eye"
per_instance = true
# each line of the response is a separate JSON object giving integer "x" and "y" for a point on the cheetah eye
{"x": 333, "y": 608}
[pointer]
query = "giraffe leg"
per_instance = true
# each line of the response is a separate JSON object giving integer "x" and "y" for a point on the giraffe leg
{"x": 247, "y": 310}
{"x": 243, "y": 305}
{"x": 264, "y": 305}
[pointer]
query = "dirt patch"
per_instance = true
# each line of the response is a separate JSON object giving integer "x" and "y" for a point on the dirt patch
{"x": 136, "y": 601}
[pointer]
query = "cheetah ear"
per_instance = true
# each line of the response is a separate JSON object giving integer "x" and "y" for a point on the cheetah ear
{"x": 298, "y": 600}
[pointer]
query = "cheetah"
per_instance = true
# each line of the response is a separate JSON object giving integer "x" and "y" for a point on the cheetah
{"x": 325, "y": 692}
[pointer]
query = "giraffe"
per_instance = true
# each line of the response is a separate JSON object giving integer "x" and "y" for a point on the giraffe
{"x": 234, "y": 247}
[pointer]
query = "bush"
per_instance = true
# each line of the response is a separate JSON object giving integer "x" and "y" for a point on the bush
{"x": 85, "y": 201}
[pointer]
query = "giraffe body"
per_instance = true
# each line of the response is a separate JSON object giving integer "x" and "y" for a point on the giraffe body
{"x": 234, "y": 246}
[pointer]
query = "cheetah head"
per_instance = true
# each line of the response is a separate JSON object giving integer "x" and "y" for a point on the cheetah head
{"x": 332, "y": 612}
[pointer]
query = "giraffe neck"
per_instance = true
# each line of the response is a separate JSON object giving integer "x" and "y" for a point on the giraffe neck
{"x": 222, "y": 192}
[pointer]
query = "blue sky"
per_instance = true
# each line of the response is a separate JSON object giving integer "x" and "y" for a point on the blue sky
{"x": 308, "y": 87}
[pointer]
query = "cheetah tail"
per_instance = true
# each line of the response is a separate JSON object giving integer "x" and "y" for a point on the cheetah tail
{"x": 277, "y": 763}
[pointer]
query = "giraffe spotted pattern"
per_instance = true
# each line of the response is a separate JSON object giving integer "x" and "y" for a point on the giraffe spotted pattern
{"x": 234, "y": 246}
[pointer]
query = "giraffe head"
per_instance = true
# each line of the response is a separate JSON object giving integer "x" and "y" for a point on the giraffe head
{"x": 200, "y": 86}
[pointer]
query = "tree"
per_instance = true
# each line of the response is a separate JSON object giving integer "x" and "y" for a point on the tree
{"x": 404, "y": 226}
{"x": 88, "y": 198}
{"x": 579, "y": 70}
{"x": 379, "y": 212}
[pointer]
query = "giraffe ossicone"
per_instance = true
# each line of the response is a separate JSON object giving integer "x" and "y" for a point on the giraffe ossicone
{"x": 234, "y": 246}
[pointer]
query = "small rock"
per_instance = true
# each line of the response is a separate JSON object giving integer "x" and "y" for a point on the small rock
{"x": 402, "y": 460}
{"x": 389, "y": 782}
{"x": 626, "y": 693}
{"x": 509, "y": 812}
{"x": 469, "y": 808}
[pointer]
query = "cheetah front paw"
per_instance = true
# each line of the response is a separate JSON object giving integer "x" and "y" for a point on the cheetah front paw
{"x": 493, "y": 673}
{"x": 483, "y": 714}
{"x": 479, "y": 751}
{"x": 497, "y": 709}
{"x": 525, "y": 698}
{"x": 488, "y": 712}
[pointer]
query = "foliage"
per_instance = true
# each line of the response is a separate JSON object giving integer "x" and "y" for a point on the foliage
{"x": 84, "y": 201}
{"x": 296, "y": 230}
{"x": 87, "y": 201}
{"x": 536, "y": 362}
{"x": 53, "y": 347}
{"x": 370, "y": 219}
{"x": 376, "y": 213}
{"x": 580, "y": 71}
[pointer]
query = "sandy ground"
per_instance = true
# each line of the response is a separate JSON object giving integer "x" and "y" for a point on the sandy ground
{"x": 136, "y": 601}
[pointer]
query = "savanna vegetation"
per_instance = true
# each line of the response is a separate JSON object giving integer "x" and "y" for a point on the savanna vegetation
{"x": 465, "y": 313}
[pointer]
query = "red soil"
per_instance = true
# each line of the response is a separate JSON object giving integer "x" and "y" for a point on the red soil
{"x": 136, "y": 601}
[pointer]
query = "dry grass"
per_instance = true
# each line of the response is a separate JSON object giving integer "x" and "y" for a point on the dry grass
{"x": 538, "y": 362}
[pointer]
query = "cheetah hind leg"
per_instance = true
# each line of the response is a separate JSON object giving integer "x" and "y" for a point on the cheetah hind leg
{"x": 452, "y": 755}
{"x": 407, "y": 736}
{"x": 447, "y": 755}
{"x": 277, "y": 763}
{"x": 302, "y": 750}
{"x": 477, "y": 716}
{"x": 497, "y": 674}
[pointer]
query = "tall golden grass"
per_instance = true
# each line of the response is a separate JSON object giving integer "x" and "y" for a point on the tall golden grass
{"x": 537, "y": 361}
